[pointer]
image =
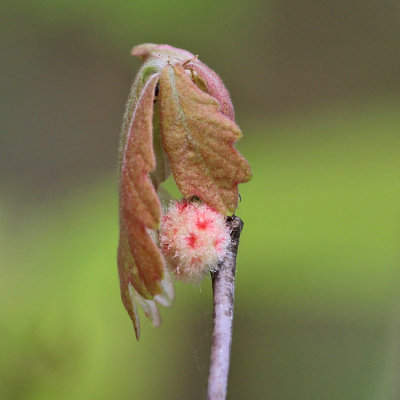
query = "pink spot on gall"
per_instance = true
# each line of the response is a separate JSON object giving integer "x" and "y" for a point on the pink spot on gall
{"x": 191, "y": 240}
{"x": 202, "y": 224}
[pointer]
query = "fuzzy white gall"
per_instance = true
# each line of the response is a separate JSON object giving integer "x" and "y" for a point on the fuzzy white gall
{"x": 194, "y": 239}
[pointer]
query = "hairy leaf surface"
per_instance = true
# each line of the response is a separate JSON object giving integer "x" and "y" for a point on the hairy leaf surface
{"x": 198, "y": 139}
{"x": 139, "y": 260}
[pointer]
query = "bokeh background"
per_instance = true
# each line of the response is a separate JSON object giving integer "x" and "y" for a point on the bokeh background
{"x": 316, "y": 90}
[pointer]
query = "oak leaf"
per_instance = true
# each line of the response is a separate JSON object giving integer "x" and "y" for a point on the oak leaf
{"x": 198, "y": 139}
{"x": 141, "y": 265}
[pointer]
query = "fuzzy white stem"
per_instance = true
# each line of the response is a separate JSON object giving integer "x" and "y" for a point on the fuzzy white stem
{"x": 224, "y": 288}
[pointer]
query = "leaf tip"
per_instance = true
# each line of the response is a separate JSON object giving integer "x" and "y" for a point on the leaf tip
{"x": 143, "y": 50}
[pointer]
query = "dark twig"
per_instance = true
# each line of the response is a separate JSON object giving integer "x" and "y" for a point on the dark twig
{"x": 223, "y": 281}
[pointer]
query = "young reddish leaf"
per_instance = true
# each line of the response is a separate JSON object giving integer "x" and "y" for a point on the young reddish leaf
{"x": 198, "y": 139}
{"x": 140, "y": 262}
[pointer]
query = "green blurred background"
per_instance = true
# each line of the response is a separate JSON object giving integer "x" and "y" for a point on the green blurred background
{"x": 316, "y": 90}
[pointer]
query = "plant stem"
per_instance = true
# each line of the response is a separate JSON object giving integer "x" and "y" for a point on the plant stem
{"x": 223, "y": 282}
